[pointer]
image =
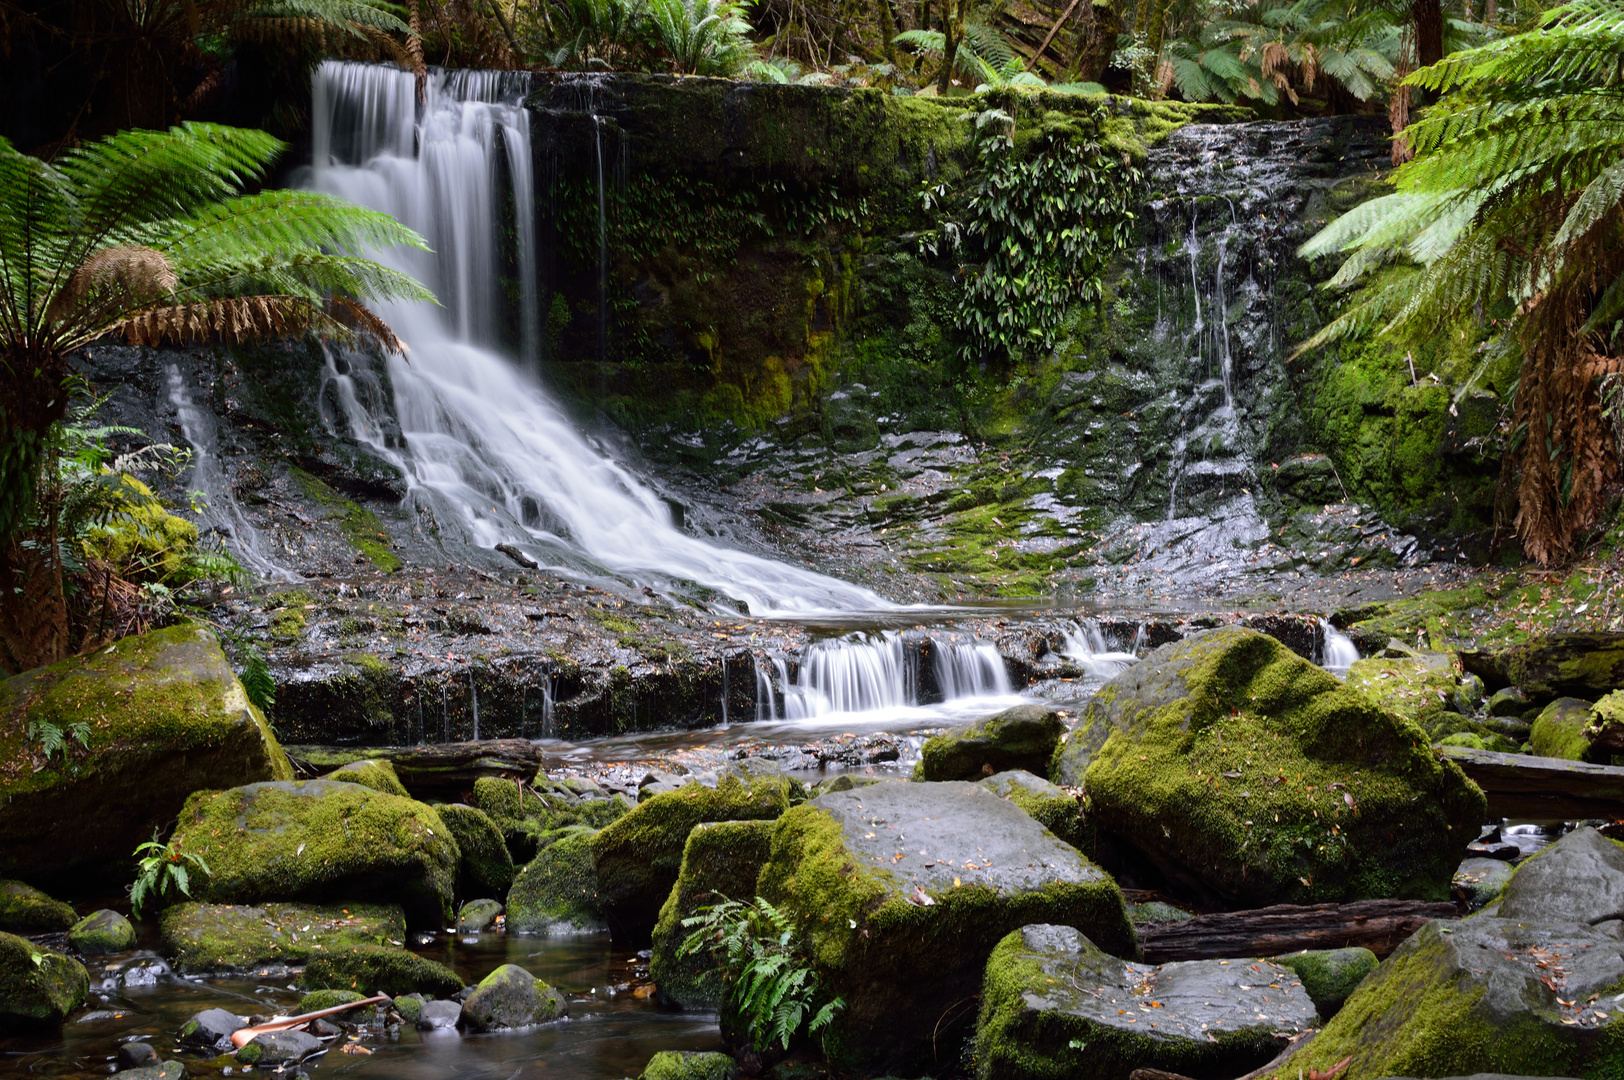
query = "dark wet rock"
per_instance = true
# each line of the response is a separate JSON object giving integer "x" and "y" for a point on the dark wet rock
{"x": 721, "y": 861}
{"x": 210, "y": 1028}
{"x": 557, "y": 891}
{"x": 167, "y": 1070}
{"x": 689, "y": 1065}
{"x": 136, "y": 1055}
{"x": 101, "y": 933}
{"x": 1057, "y": 809}
{"x": 378, "y": 969}
{"x": 477, "y": 916}
{"x": 269, "y": 1049}
{"x": 902, "y": 878}
{"x": 439, "y": 1015}
{"x": 1023, "y": 737}
{"x": 321, "y": 1029}
{"x": 168, "y": 718}
{"x": 1240, "y": 771}
{"x": 639, "y": 856}
{"x": 38, "y": 987}
{"x": 220, "y": 938}
{"x": 487, "y": 865}
{"x": 375, "y": 774}
{"x": 511, "y": 997}
{"x": 843, "y": 782}
{"x": 1580, "y": 878}
{"x": 1559, "y": 732}
{"x": 1329, "y": 976}
{"x": 1508, "y": 701}
{"x": 1479, "y": 880}
{"x": 321, "y": 840}
{"x": 1583, "y": 665}
{"x": 26, "y": 910}
{"x": 1054, "y": 1005}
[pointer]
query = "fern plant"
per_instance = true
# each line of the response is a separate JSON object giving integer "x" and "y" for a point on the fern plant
{"x": 768, "y": 988}
{"x": 161, "y": 872}
{"x": 56, "y": 741}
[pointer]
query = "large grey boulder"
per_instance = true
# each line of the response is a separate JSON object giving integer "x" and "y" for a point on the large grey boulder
{"x": 269, "y": 1049}
{"x": 1580, "y": 878}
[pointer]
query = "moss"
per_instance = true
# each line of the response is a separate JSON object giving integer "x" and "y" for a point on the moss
{"x": 557, "y": 891}
{"x": 1329, "y": 975}
{"x": 102, "y": 933}
{"x": 319, "y": 839}
{"x": 26, "y": 910}
{"x": 1249, "y": 772}
{"x": 1559, "y": 731}
{"x": 166, "y": 716}
{"x": 720, "y": 861}
{"x": 1024, "y": 737}
{"x": 1054, "y": 808}
{"x": 410, "y": 1008}
{"x": 37, "y": 987}
{"x": 689, "y": 1065}
{"x": 372, "y": 773}
{"x": 202, "y": 938}
{"x": 1418, "y": 688}
{"x": 287, "y": 624}
{"x": 486, "y": 868}
{"x": 249, "y": 1055}
{"x": 379, "y": 969}
{"x": 140, "y": 537}
{"x": 359, "y": 525}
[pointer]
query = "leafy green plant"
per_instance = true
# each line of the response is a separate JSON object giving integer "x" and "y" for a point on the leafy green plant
{"x": 768, "y": 988}
{"x": 256, "y": 678}
{"x": 54, "y": 741}
{"x": 162, "y": 871}
{"x": 702, "y": 37}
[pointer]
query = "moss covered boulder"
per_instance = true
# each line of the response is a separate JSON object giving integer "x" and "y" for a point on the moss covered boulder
{"x": 1056, "y": 1007}
{"x": 478, "y": 916}
{"x": 1580, "y": 665}
{"x": 487, "y": 867}
{"x": 322, "y": 840}
{"x": 373, "y": 773}
{"x": 511, "y": 997}
{"x": 1020, "y": 738}
{"x": 690, "y": 1065}
{"x": 639, "y": 856}
{"x": 557, "y": 891}
{"x": 1421, "y": 688}
{"x": 37, "y": 987}
{"x": 525, "y": 813}
{"x": 721, "y": 861}
{"x": 1245, "y": 773}
{"x": 379, "y": 969}
{"x": 1055, "y": 808}
{"x": 26, "y": 910}
{"x": 202, "y": 938}
{"x": 1559, "y": 730}
{"x": 1329, "y": 976}
{"x": 317, "y": 1000}
{"x": 166, "y": 717}
{"x": 902, "y": 891}
{"x": 102, "y": 933}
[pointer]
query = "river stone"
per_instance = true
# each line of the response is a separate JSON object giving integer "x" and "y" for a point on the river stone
{"x": 721, "y": 861}
{"x": 1559, "y": 731}
{"x": 1020, "y": 738}
{"x": 1606, "y": 727}
{"x": 690, "y": 1065}
{"x": 373, "y": 773}
{"x": 1580, "y": 878}
{"x": 228, "y": 938}
{"x": 639, "y": 856}
{"x": 101, "y": 933}
{"x": 269, "y": 1049}
{"x": 167, "y": 1070}
{"x": 557, "y": 891}
{"x": 1480, "y": 880}
{"x": 486, "y": 867}
{"x": 1421, "y": 688}
{"x": 317, "y": 1000}
{"x": 1052, "y": 806}
{"x": 1508, "y": 701}
{"x": 136, "y": 1055}
{"x": 439, "y": 1015}
{"x": 904, "y": 890}
{"x": 1243, "y": 772}
{"x": 210, "y": 1029}
{"x": 1055, "y": 1007}
{"x": 511, "y": 997}
{"x": 378, "y": 969}
{"x": 1583, "y": 665}
{"x": 1329, "y": 976}
{"x": 1457, "y": 995}
{"x": 477, "y": 916}
{"x": 321, "y": 840}
{"x": 38, "y": 987}
{"x": 26, "y": 910}
{"x": 167, "y": 717}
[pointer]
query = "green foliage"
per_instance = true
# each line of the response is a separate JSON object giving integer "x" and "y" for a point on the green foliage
{"x": 768, "y": 988}
{"x": 53, "y": 740}
{"x": 701, "y": 37}
{"x": 161, "y": 870}
{"x": 685, "y": 37}
{"x": 256, "y": 679}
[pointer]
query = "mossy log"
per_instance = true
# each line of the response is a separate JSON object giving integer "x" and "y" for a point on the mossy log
{"x": 1542, "y": 788}
{"x": 1377, "y": 925}
{"x": 440, "y": 770}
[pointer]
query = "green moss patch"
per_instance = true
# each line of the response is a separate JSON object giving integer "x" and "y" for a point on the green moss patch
{"x": 379, "y": 969}
{"x": 1559, "y": 731}
{"x": 359, "y": 525}
{"x": 557, "y": 891}
{"x": 720, "y": 861}
{"x": 487, "y": 868}
{"x": 373, "y": 773}
{"x": 201, "y": 938}
{"x": 689, "y": 1065}
{"x": 1024, "y": 738}
{"x": 26, "y": 910}
{"x": 38, "y": 988}
{"x": 1329, "y": 975}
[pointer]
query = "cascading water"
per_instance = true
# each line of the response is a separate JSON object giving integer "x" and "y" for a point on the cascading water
{"x": 1090, "y": 649}
{"x": 1337, "y": 650}
{"x": 485, "y": 448}
{"x": 878, "y": 674}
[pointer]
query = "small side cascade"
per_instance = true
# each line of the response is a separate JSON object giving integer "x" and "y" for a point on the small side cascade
{"x": 1337, "y": 650}
{"x": 871, "y": 673}
{"x": 1088, "y": 646}
{"x": 766, "y": 703}
{"x": 969, "y": 669}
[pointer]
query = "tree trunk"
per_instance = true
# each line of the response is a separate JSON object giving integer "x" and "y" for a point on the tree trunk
{"x": 1377, "y": 925}
{"x": 33, "y": 609}
{"x": 950, "y": 44}
{"x": 1428, "y": 17}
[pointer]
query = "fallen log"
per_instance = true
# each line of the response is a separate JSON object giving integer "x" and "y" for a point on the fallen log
{"x": 437, "y": 770}
{"x": 243, "y": 1036}
{"x": 1377, "y": 925}
{"x": 1542, "y": 788}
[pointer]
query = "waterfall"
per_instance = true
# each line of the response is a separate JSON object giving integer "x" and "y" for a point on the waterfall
{"x": 1087, "y": 645}
{"x": 1337, "y": 650}
{"x": 879, "y": 674}
{"x": 485, "y": 447}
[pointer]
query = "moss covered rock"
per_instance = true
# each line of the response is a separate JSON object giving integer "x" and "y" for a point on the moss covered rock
{"x": 721, "y": 861}
{"x": 37, "y": 987}
{"x": 1583, "y": 665}
{"x": 166, "y": 717}
{"x": 639, "y": 856}
{"x": 1024, "y": 737}
{"x": 378, "y": 969}
{"x": 524, "y": 814}
{"x": 689, "y": 1065}
{"x": 1330, "y": 976}
{"x": 1559, "y": 731}
{"x": 205, "y": 938}
{"x": 1056, "y": 1007}
{"x": 1421, "y": 688}
{"x": 317, "y": 1000}
{"x": 1241, "y": 771}
{"x": 1479, "y": 881}
{"x": 1606, "y": 727}
{"x": 373, "y": 773}
{"x": 557, "y": 891}
{"x": 26, "y": 910}
{"x": 477, "y": 916}
{"x": 321, "y": 840}
{"x": 1053, "y": 806}
{"x": 102, "y": 933}
{"x": 511, "y": 997}
{"x": 487, "y": 867}
{"x": 904, "y": 889}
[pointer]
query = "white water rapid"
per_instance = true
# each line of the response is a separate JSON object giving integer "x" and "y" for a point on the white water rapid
{"x": 1337, "y": 650}
{"x": 485, "y": 446}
